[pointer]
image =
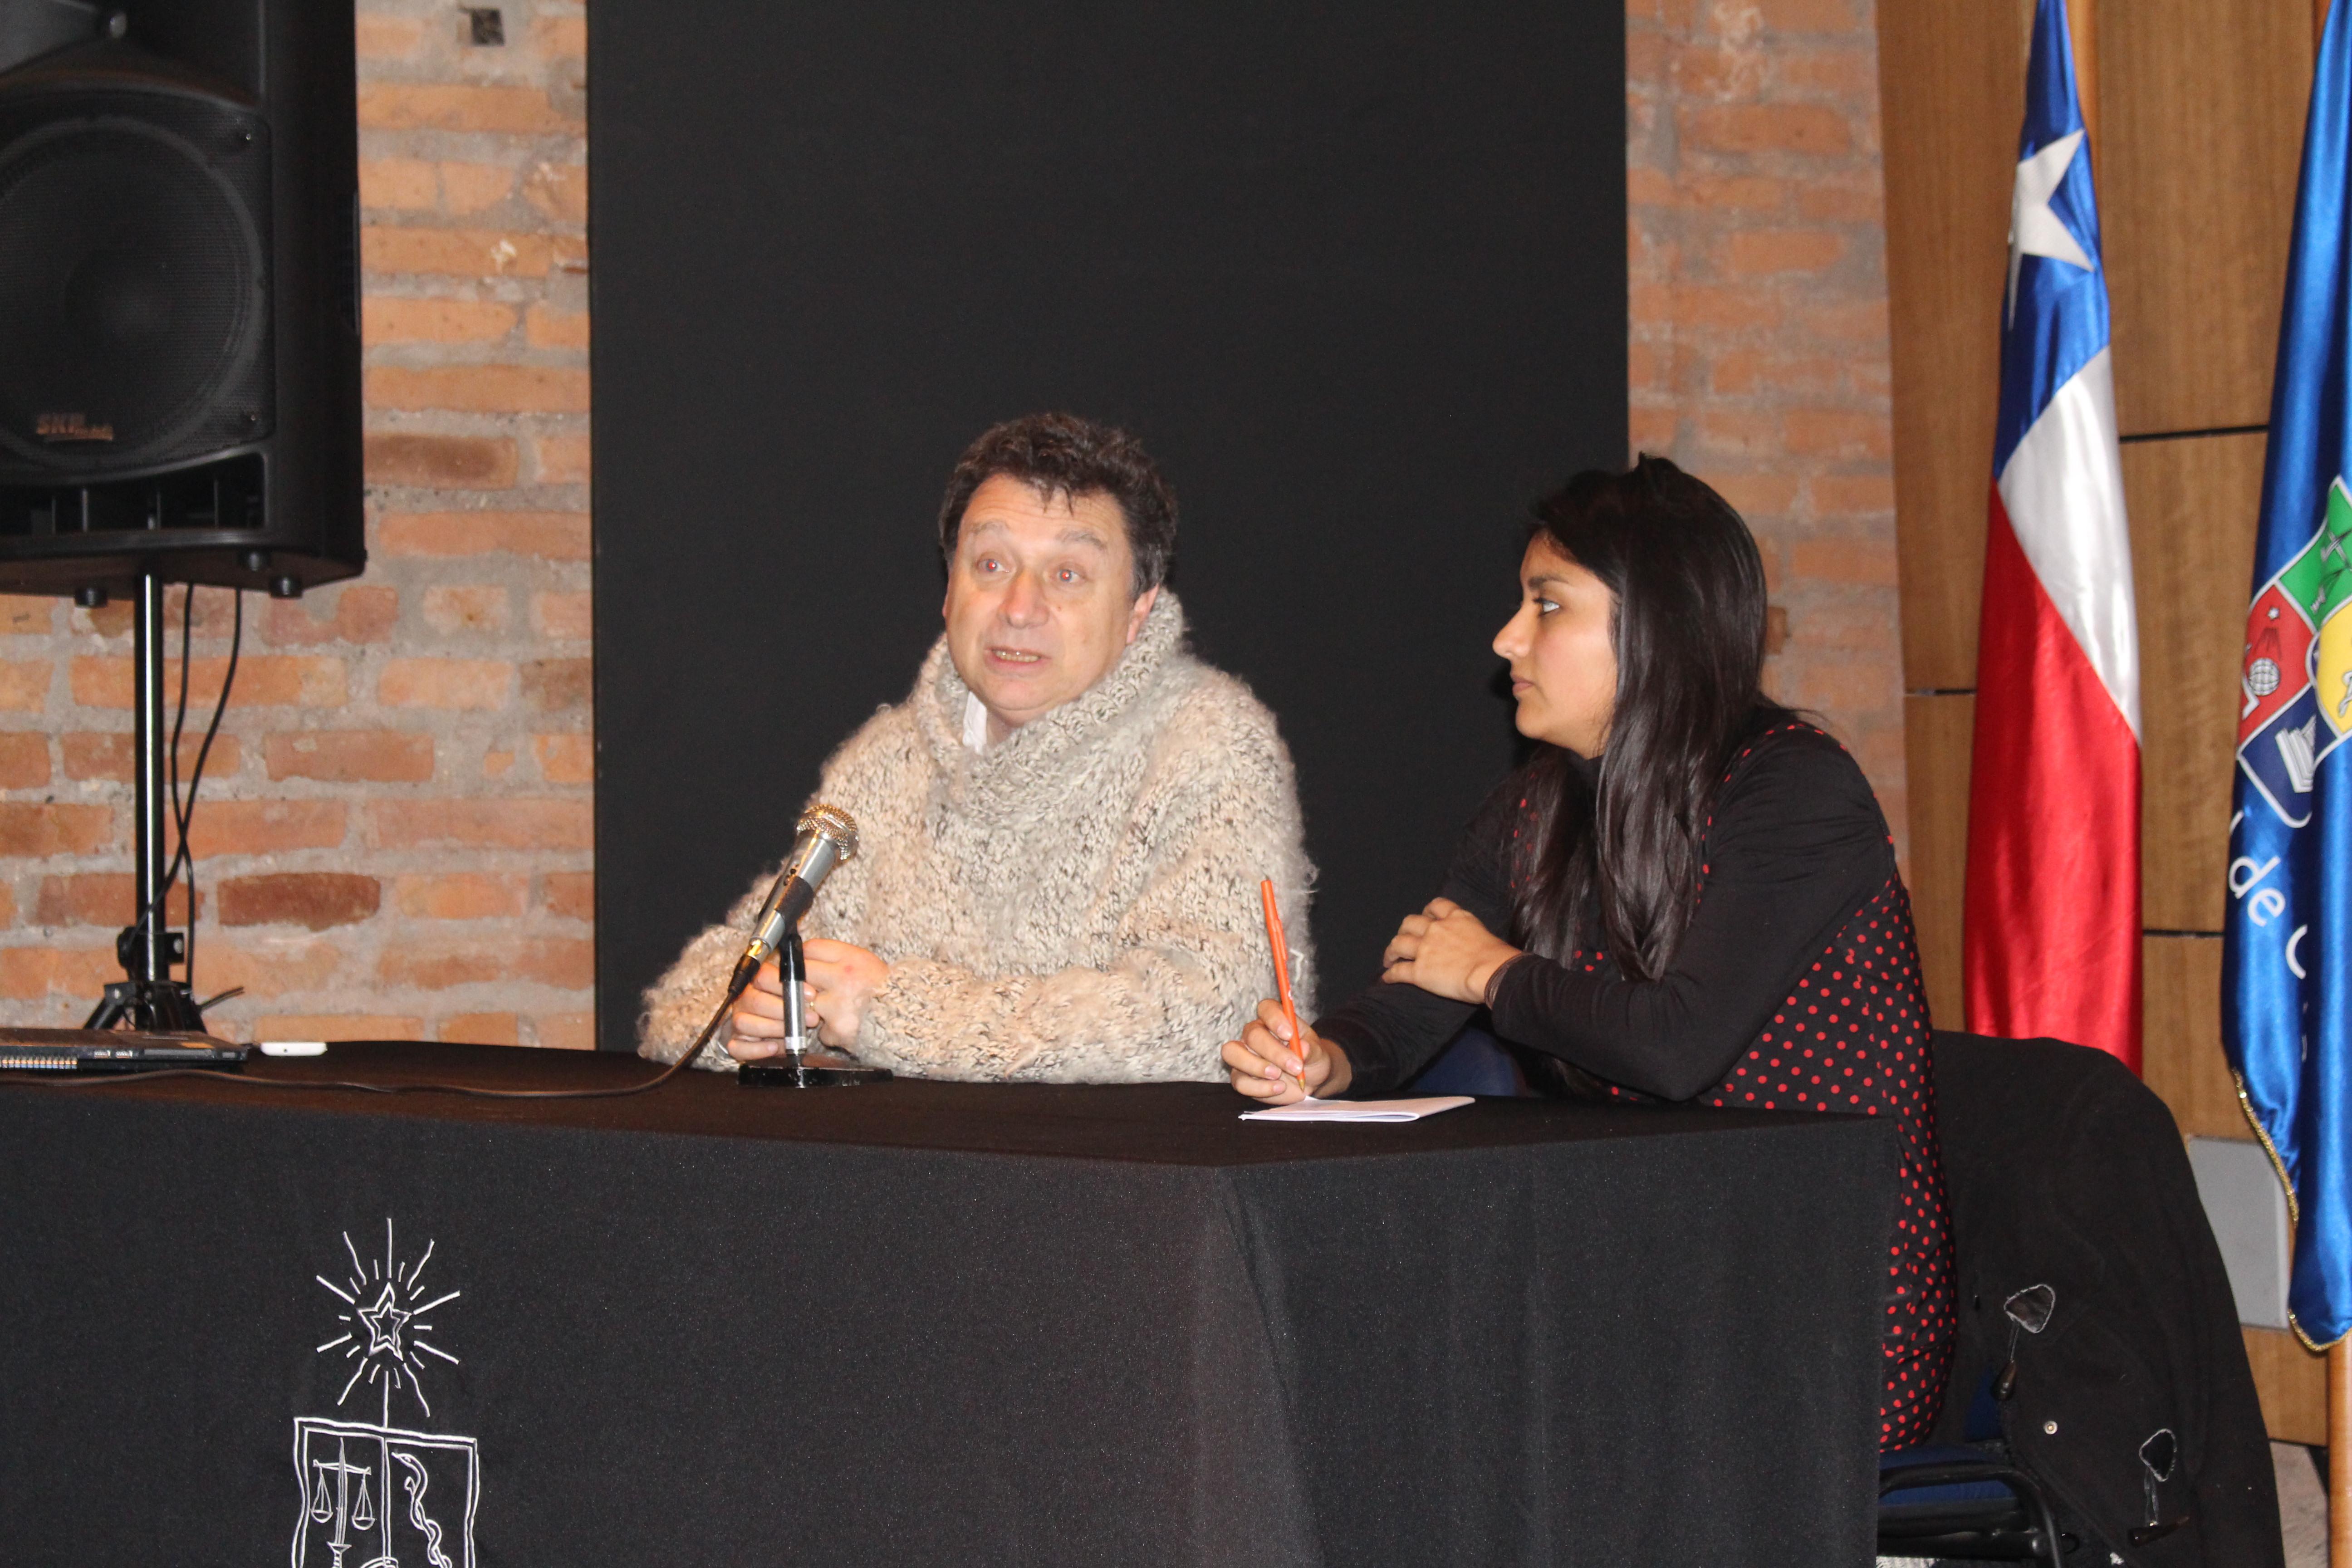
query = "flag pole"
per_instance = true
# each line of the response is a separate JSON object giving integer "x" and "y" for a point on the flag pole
{"x": 2339, "y": 1354}
{"x": 2083, "y": 31}
{"x": 2339, "y": 1454}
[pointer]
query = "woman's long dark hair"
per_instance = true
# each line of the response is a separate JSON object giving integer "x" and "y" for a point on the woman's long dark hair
{"x": 1687, "y": 624}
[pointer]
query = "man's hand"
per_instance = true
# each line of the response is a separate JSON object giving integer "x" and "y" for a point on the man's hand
{"x": 1266, "y": 1064}
{"x": 757, "y": 1027}
{"x": 1446, "y": 950}
{"x": 842, "y": 980}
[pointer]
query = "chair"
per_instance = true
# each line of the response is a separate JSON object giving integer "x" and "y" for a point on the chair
{"x": 2099, "y": 1391}
{"x": 1953, "y": 1500}
{"x": 2098, "y": 1339}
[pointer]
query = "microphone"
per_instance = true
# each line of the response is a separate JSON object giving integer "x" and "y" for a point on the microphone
{"x": 827, "y": 837}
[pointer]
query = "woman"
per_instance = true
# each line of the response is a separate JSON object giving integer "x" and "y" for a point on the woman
{"x": 1695, "y": 892}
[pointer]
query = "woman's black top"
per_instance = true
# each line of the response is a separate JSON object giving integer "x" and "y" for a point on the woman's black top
{"x": 1796, "y": 987}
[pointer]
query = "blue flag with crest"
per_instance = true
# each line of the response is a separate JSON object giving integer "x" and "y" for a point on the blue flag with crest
{"x": 2286, "y": 983}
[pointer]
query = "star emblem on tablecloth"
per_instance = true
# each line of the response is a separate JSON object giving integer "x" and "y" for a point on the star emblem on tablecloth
{"x": 2033, "y": 228}
{"x": 386, "y": 1340}
{"x": 382, "y": 1323}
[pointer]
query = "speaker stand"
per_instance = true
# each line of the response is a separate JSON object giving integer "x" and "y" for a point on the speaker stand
{"x": 804, "y": 1063}
{"x": 147, "y": 999}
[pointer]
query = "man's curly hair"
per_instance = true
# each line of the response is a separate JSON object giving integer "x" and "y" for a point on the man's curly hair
{"x": 1064, "y": 456}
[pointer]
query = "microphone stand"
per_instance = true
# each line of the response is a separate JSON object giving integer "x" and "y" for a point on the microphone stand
{"x": 806, "y": 1062}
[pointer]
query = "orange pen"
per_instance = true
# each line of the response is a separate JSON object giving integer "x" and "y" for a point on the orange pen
{"x": 1282, "y": 973}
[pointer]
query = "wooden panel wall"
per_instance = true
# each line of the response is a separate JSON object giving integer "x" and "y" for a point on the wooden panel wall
{"x": 2203, "y": 131}
{"x": 2193, "y": 503}
{"x": 1936, "y": 729}
{"x": 2196, "y": 134}
{"x": 1953, "y": 95}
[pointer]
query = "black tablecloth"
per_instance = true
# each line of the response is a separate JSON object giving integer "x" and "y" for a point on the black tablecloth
{"x": 923, "y": 1322}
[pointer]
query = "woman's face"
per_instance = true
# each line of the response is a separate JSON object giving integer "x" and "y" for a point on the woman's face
{"x": 1563, "y": 667}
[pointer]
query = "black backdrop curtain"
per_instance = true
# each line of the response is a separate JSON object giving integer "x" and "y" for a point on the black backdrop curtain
{"x": 1356, "y": 274}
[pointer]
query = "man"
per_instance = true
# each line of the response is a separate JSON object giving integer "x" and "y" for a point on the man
{"x": 1061, "y": 829}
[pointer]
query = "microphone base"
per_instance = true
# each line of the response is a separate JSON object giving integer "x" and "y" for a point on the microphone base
{"x": 812, "y": 1069}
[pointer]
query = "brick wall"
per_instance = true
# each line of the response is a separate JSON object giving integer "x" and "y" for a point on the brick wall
{"x": 1756, "y": 251}
{"x": 396, "y": 838}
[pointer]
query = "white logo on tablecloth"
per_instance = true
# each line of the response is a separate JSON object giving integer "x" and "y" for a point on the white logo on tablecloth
{"x": 374, "y": 1495}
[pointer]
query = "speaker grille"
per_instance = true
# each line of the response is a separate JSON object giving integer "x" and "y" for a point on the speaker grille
{"x": 134, "y": 319}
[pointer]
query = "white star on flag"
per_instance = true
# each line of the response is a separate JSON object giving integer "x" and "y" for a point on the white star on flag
{"x": 2033, "y": 228}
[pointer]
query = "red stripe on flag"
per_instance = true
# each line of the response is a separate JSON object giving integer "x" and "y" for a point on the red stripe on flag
{"x": 2052, "y": 936}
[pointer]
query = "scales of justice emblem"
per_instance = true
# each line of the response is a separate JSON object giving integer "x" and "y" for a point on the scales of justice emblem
{"x": 374, "y": 1495}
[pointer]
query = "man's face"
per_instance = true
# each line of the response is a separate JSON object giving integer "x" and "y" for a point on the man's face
{"x": 1037, "y": 608}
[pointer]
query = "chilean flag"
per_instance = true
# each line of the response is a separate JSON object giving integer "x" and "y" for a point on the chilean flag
{"x": 2052, "y": 940}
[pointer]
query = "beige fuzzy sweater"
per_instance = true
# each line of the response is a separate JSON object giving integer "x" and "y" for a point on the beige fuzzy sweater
{"x": 1077, "y": 904}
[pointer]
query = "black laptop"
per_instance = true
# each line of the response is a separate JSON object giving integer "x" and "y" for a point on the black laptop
{"x": 113, "y": 1050}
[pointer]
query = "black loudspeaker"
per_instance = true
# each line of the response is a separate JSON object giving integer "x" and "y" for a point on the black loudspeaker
{"x": 179, "y": 296}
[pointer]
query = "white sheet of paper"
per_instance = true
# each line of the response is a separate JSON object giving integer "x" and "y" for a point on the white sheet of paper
{"x": 1313, "y": 1110}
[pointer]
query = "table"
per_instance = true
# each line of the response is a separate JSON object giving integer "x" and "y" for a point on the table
{"x": 924, "y": 1322}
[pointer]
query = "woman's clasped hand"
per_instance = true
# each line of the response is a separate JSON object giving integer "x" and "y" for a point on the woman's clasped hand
{"x": 1446, "y": 951}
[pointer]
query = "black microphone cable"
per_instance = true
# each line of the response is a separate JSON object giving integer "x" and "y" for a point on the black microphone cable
{"x": 828, "y": 837}
{"x": 471, "y": 1091}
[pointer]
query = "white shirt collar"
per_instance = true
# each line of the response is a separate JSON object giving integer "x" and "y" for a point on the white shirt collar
{"x": 975, "y": 724}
